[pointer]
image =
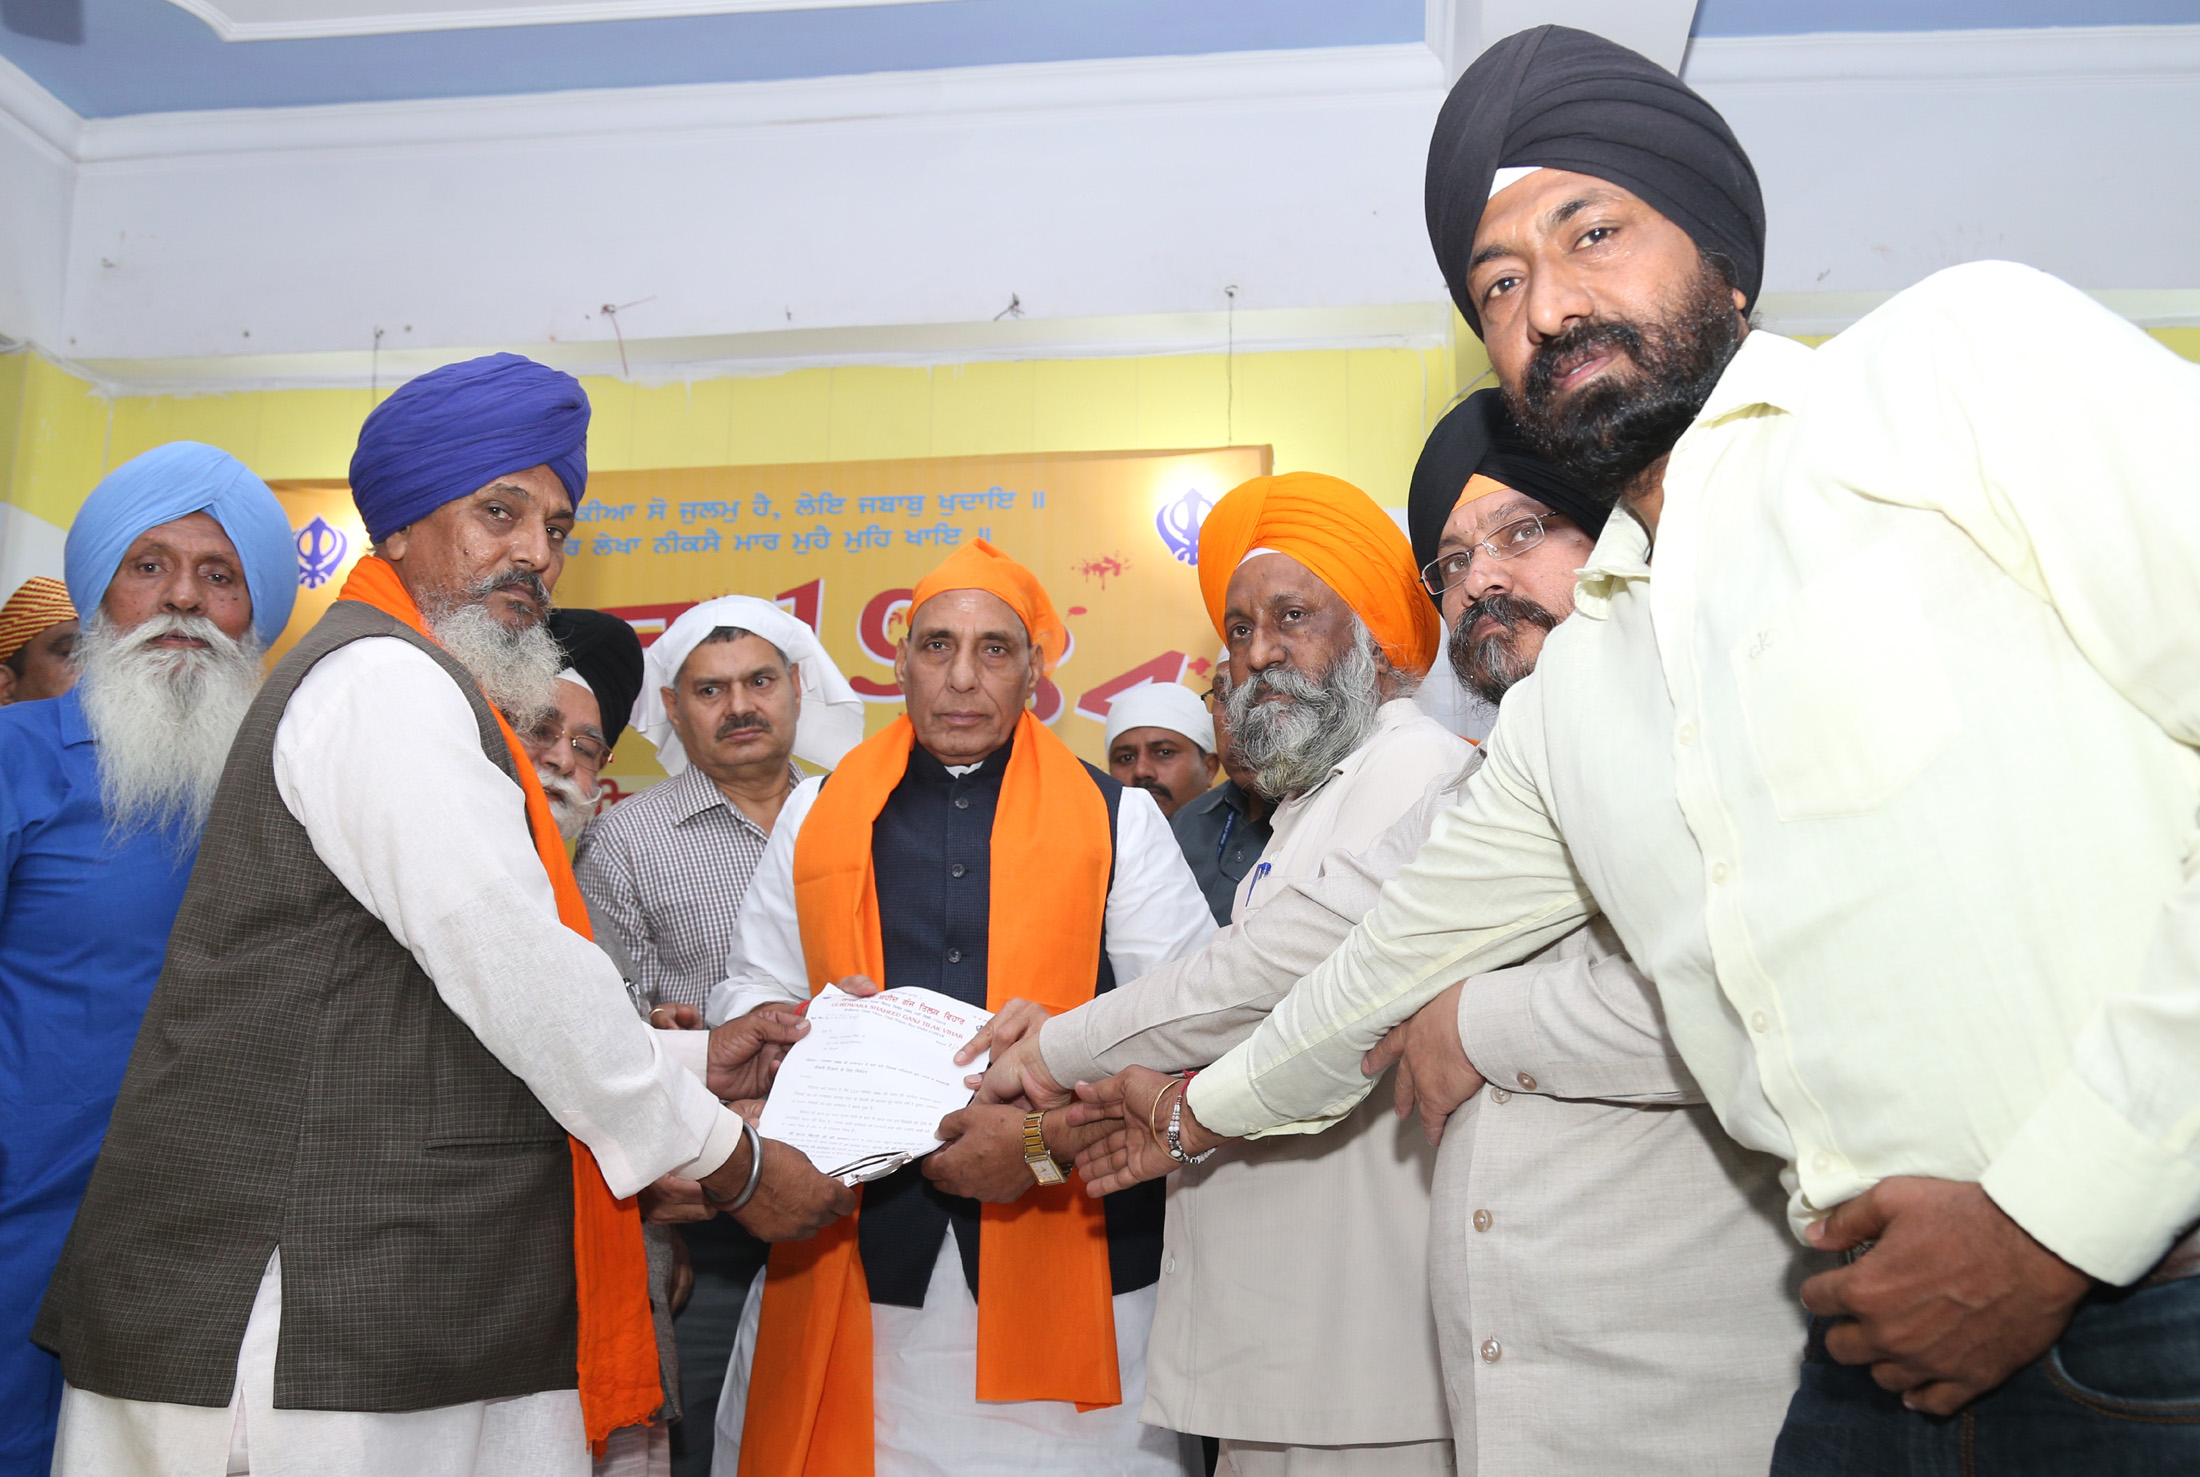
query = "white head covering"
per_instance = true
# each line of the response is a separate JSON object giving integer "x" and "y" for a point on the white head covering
{"x": 569, "y": 675}
{"x": 1169, "y": 705}
{"x": 832, "y": 715}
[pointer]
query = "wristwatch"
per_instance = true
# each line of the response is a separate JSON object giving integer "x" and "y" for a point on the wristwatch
{"x": 1041, "y": 1163}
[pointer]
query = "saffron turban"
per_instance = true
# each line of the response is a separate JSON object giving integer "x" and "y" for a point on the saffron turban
{"x": 980, "y": 566}
{"x": 455, "y": 430}
{"x": 171, "y": 482}
{"x": 605, "y": 654}
{"x": 831, "y": 722}
{"x": 1557, "y": 98}
{"x": 1477, "y": 438}
{"x": 39, "y": 604}
{"x": 1169, "y": 705}
{"x": 1347, "y": 542}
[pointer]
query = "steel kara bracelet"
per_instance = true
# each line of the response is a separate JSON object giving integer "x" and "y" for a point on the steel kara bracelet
{"x": 1174, "y": 1141}
{"x": 756, "y": 1172}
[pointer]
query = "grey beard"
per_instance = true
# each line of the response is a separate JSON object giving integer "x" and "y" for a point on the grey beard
{"x": 567, "y": 808}
{"x": 1488, "y": 668}
{"x": 163, "y": 719}
{"x": 515, "y": 668}
{"x": 1292, "y": 745}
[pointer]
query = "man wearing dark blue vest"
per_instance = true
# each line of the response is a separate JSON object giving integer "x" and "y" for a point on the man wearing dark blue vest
{"x": 966, "y": 850}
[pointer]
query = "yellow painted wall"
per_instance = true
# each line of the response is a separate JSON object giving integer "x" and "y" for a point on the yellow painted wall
{"x": 1360, "y": 414}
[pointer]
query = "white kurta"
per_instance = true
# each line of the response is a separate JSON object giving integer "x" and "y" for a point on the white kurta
{"x": 930, "y": 1422}
{"x": 378, "y": 756}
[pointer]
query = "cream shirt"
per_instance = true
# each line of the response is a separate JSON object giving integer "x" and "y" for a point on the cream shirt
{"x": 1887, "y": 779}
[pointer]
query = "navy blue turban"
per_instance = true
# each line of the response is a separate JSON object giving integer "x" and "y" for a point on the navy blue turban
{"x": 1557, "y": 98}
{"x": 455, "y": 430}
{"x": 175, "y": 481}
{"x": 1477, "y": 435}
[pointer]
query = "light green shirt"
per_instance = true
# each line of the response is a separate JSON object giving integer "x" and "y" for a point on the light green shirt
{"x": 1887, "y": 779}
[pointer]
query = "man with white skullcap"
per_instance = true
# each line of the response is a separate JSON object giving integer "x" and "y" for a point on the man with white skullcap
{"x": 731, "y": 693}
{"x": 1162, "y": 740}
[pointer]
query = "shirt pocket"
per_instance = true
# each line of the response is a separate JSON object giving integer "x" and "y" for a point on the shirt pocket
{"x": 1843, "y": 692}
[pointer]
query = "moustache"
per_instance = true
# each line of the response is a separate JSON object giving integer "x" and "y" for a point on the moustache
{"x": 1155, "y": 786}
{"x": 523, "y": 580}
{"x": 1560, "y": 353}
{"x": 1508, "y": 611}
{"x": 742, "y": 723}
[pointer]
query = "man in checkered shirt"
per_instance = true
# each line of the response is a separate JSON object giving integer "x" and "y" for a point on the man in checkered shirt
{"x": 731, "y": 692}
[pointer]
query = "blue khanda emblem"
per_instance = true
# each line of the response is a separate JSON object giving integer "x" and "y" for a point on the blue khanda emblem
{"x": 1178, "y": 524}
{"x": 321, "y": 552}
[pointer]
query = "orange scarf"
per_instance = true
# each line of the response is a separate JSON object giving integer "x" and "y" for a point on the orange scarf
{"x": 1046, "y": 1316}
{"x": 618, "y": 1342}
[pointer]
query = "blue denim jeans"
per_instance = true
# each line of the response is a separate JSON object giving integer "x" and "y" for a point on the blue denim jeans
{"x": 2118, "y": 1394}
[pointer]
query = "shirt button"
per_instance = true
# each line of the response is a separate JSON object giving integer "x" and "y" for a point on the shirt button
{"x": 962, "y": 802}
{"x": 1492, "y": 1351}
{"x": 1687, "y": 734}
{"x": 1499, "y": 1095}
{"x": 1759, "y": 1021}
{"x": 957, "y": 870}
{"x": 1720, "y": 871}
{"x": 1823, "y": 1163}
{"x": 1481, "y": 1220}
{"x": 1169, "y": 1265}
{"x": 954, "y": 956}
{"x": 1527, "y": 1083}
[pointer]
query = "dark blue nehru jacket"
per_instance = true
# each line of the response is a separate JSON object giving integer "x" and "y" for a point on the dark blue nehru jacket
{"x": 931, "y": 849}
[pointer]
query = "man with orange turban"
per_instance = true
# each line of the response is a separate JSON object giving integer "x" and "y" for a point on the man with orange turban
{"x": 1296, "y": 1325}
{"x": 37, "y": 637}
{"x": 978, "y": 1314}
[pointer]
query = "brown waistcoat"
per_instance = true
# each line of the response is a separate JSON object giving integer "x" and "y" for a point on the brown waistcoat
{"x": 299, "y": 1083}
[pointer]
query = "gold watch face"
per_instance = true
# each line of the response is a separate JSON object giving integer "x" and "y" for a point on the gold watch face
{"x": 1045, "y": 1170}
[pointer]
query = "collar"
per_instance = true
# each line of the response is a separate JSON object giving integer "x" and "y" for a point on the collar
{"x": 1768, "y": 372}
{"x": 927, "y": 768}
{"x": 69, "y": 711}
{"x": 694, "y": 792}
{"x": 1393, "y": 714}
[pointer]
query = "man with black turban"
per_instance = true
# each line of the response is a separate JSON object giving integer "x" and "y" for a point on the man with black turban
{"x": 590, "y": 707}
{"x": 1814, "y": 763}
{"x": 365, "y": 1206}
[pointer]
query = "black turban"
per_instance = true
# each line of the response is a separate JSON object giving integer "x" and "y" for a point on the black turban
{"x": 1558, "y": 98}
{"x": 1477, "y": 435}
{"x": 605, "y": 650}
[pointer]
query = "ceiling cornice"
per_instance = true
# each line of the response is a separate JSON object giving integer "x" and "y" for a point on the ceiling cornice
{"x": 307, "y": 20}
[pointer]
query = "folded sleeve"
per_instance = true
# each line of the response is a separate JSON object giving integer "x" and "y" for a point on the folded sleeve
{"x": 1155, "y": 910}
{"x": 1492, "y": 885}
{"x": 2085, "y": 488}
{"x": 431, "y": 838}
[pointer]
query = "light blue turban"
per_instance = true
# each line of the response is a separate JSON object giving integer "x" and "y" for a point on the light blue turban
{"x": 171, "y": 482}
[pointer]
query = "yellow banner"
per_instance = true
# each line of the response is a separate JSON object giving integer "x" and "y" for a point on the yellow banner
{"x": 1112, "y": 534}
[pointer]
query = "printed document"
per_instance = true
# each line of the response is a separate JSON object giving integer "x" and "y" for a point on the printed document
{"x": 862, "y": 1093}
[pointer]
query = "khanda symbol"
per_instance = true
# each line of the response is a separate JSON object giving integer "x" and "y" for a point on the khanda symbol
{"x": 321, "y": 552}
{"x": 1178, "y": 524}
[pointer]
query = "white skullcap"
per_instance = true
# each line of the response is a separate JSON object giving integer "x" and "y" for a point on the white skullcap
{"x": 1510, "y": 175}
{"x": 832, "y": 715}
{"x": 569, "y": 675}
{"x": 1169, "y": 705}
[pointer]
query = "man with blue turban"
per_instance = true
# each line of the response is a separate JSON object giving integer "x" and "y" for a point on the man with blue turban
{"x": 366, "y": 1205}
{"x": 182, "y": 566}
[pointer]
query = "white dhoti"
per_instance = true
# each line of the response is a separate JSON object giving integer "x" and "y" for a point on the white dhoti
{"x": 929, "y": 1421}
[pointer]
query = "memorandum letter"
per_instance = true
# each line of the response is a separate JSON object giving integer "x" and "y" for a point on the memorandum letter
{"x": 871, "y": 1081}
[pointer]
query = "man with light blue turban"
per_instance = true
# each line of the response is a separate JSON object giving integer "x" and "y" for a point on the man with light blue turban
{"x": 182, "y": 565}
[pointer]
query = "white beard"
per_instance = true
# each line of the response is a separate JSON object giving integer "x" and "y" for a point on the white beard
{"x": 568, "y": 806}
{"x": 163, "y": 718}
{"x": 515, "y": 668}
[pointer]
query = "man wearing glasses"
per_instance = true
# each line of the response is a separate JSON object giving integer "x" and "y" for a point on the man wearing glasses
{"x": 594, "y": 699}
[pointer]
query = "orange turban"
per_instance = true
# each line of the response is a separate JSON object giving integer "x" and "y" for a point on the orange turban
{"x": 1338, "y": 533}
{"x": 980, "y": 566}
{"x": 39, "y": 604}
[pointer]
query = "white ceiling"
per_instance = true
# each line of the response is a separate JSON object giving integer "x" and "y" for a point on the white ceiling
{"x": 297, "y": 20}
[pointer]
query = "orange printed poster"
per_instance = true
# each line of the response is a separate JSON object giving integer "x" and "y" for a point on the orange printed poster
{"x": 1114, "y": 536}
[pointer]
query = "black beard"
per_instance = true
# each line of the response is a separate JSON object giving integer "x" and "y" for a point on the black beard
{"x": 1611, "y": 430}
{"x": 1488, "y": 668}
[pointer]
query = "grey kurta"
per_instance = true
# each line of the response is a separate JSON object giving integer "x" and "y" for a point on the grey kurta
{"x": 1635, "y": 1281}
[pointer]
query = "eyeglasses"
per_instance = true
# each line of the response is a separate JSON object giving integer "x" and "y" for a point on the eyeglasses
{"x": 592, "y": 752}
{"x": 1511, "y": 539}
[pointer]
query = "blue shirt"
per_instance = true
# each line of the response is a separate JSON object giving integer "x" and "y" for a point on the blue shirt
{"x": 84, "y": 921}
